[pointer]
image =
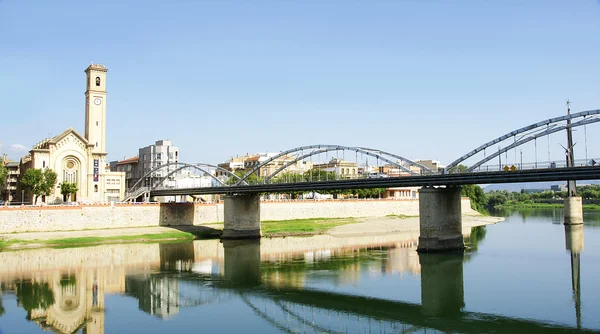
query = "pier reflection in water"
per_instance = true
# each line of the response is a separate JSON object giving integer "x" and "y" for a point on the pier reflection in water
{"x": 274, "y": 281}
{"x": 574, "y": 244}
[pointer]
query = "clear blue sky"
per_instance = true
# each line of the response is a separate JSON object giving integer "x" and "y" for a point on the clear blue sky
{"x": 423, "y": 79}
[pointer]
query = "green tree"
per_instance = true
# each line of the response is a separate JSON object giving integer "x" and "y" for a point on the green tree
{"x": 49, "y": 182}
{"x": 476, "y": 195}
{"x": 3, "y": 174}
{"x": 40, "y": 183}
{"x": 67, "y": 189}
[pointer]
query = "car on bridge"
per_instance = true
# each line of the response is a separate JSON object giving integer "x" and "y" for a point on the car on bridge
{"x": 376, "y": 175}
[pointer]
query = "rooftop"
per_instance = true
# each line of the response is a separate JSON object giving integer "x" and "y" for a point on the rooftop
{"x": 133, "y": 160}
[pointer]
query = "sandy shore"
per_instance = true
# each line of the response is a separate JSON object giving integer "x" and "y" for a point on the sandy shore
{"x": 366, "y": 226}
{"x": 386, "y": 225}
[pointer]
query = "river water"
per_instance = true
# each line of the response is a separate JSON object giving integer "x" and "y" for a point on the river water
{"x": 526, "y": 274}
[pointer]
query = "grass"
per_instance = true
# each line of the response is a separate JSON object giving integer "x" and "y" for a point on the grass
{"x": 124, "y": 238}
{"x": 69, "y": 242}
{"x": 311, "y": 226}
{"x": 272, "y": 228}
{"x": 400, "y": 216}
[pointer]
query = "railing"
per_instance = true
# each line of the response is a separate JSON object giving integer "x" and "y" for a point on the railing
{"x": 534, "y": 165}
{"x": 136, "y": 193}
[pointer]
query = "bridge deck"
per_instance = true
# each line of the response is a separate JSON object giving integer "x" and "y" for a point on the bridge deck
{"x": 543, "y": 175}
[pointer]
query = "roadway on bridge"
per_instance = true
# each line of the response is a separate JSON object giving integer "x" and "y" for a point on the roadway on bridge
{"x": 541, "y": 175}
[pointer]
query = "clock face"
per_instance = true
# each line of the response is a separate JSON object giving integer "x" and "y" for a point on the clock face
{"x": 97, "y": 102}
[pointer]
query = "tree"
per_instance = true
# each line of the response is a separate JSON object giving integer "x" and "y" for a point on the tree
{"x": 49, "y": 182}
{"x": 3, "y": 174}
{"x": 67, "y": 189}
{"x": 40, "y": 183}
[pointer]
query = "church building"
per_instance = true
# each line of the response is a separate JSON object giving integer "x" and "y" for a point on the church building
{"x": 81, "y": 159}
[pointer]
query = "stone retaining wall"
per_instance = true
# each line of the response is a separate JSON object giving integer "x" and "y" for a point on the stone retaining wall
{"x": 67, "y": 218}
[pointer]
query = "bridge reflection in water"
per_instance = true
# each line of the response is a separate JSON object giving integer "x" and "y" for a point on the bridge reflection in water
{"x": 270, "y": 282}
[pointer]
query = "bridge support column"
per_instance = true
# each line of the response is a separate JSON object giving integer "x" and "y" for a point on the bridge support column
{"x": 442, "y": 286}
{"x": 241, "y": 216}
{"x": 242, "y": 262}
{"x": 573, "y": 211}
{"x": 440, "y": 219}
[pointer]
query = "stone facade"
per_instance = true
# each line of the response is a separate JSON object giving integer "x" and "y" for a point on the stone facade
{"x": 86, "y": 217}
{"x": 81, "y": 159}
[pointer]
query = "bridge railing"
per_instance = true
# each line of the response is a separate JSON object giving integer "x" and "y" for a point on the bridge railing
{"x": 534, "y": 165}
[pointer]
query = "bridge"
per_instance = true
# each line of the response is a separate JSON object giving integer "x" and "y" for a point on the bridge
{"x": 302, "y": 170}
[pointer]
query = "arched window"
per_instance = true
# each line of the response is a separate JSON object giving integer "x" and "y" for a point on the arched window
{"x": 95, "y": 188}
{"x": 97, "y": 81}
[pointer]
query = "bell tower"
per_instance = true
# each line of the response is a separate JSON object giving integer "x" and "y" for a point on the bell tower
{"x": 95, "y": 107}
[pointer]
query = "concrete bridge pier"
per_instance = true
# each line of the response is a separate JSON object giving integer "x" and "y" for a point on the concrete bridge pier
{"x": 573, "y": 211}
{"x": 440, "y": 219}
{"x": 241, "y": 216}
{"x": 242, "y": 262}
{"x": 442, "y": 291}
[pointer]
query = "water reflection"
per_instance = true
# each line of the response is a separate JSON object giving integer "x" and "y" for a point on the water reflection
{"x": 556, "y": 215}
{"x": 574, "y": 244}
{"x": 66, "y": 302}
{"x": 292, "y": 284}
{"x": 442, "y": 282}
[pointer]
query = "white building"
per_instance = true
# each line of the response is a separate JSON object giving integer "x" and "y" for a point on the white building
{"x": 81, "y": 159}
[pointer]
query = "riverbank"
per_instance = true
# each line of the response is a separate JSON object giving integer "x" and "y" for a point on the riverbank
{"x": 542, "y": 205}
{"x": 335, "y": 227}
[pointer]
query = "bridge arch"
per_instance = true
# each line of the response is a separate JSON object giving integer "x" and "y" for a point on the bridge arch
{"x": 530, "y": 132}
{"x": 180, "y": 166}
{"x": 318, "y": 149}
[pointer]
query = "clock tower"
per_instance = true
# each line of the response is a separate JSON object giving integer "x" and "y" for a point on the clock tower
{"x": 95, "y": 107}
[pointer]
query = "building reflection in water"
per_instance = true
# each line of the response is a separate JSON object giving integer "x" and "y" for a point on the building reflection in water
{"x": 259, "y": 272}
{"x": 66, "y": 302}
{"x": 574, "y": 244}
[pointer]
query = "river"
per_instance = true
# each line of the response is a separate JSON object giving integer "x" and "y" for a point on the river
{"x": 526, "y": 274}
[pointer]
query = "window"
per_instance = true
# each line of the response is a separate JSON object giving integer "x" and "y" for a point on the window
{"x": 158, "y": 156}
{"x": 158, "y": 164}
{"x": 95, "y": 188}
{"x": 43, "y": 164}
{"x": 98, "y": 81}
{"x": 96, "y": 123}
{"x": 96, "y": 144}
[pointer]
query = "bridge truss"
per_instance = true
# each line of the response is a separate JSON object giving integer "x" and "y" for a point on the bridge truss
{"x": 525, "y": 135}
{"x": 278, "y": 168}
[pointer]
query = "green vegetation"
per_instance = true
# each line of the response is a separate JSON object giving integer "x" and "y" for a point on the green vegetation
{"x": 67, "y": 189}
{"x": 70, "y": 242}
{"x": 313, "y": 175}
{"x": 310, "y": 226}
{"x": 400, "y": 216}
{"x": 3, "y": 173}
{"x": 40, "y": 183}
{"x": 125, "y": 238}
{"x": 541, "y": 199}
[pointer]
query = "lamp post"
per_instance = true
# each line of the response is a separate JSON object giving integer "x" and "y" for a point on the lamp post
{"x": 22, "y": 197}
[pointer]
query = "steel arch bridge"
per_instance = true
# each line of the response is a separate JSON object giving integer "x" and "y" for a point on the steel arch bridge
{"x": 527, "y": 134}
{"x": 276, "y": 166}
{"x": 150, "y": 181}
